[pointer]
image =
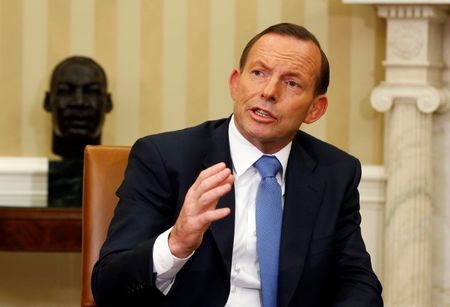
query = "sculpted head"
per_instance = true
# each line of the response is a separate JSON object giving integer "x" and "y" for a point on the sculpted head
{"x": 78, "y": 100}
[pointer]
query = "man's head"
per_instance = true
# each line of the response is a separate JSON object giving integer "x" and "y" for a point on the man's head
{"x": 78, "y": 100}
{"x": 301, "y": 33}
{"x": 281, "y": 83}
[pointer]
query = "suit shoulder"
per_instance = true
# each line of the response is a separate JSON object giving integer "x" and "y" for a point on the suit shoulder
{"x": 195, "y": 133}
{"x": 322, "y": 151}
{"x": 189, "y": 142}
{"x": 333, "y": 163}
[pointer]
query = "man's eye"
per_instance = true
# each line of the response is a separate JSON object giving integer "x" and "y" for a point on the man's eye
{"x": 94, "y": 87}
{"x": 64, "y": 90}
{"x": 257, "y": 73}
{"x": 292, "y": 84}
{"x": 93, "y": 91}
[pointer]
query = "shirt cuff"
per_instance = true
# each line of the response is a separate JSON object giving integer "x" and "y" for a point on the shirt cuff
{"x": 165, "y": 265}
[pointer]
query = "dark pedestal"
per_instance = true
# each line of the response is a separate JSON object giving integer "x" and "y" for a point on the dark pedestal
{"x": 65, "y": 184}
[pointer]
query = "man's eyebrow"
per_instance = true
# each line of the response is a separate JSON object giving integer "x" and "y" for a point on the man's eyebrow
{"x": 93, "y": 83}
{"x": 294, "y": 75}
{"x": 63, "y": 83}
{"x": 265, "y": 66}
{"x": 258, "y": 63}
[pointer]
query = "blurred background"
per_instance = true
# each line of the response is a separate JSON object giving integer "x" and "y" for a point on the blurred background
{"x": 168, "y": 63}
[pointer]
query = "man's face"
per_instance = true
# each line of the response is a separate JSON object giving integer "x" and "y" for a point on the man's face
{"x": 274, "y": 93}
{"x": 78, "y": 101}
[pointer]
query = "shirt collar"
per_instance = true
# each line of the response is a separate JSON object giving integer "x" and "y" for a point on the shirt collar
{"x": 244, "y": 154}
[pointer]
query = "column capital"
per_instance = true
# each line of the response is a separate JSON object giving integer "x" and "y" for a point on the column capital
{"x": 428, "y": 99}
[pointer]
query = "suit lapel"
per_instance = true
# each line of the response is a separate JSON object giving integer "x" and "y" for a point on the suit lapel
{"x": 222, "y": 230}
{"x": 302, "y": 202}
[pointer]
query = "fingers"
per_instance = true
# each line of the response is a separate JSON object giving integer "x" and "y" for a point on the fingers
{"x": 199, "y": 209}
{"x": 211, "y": 184}
{"x": 211, "y": 176}
{"x": 211, "y": 194}
{"x": 214, "y": 215}
{"x": 208, "y": 172}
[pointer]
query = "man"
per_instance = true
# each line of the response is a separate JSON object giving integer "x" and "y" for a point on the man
{"x": 78, "y": 100}
{"x": 182, "y": 239}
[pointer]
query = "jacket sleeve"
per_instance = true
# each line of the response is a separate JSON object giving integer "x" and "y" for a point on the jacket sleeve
{"x": 123, "y": 275}
{"x": 357, "y": 284}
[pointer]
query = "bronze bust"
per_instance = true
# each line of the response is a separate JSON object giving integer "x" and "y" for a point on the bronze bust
{"x": 78, "y": 101}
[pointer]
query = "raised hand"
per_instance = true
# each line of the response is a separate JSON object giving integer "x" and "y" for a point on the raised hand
{"x": 199, "y": 209}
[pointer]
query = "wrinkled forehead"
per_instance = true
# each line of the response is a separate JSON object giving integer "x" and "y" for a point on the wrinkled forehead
{"x": 78, "y": 73}
{"x": 287, "y": 51}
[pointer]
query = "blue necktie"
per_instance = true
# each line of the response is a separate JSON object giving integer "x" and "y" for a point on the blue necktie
{"x": 269, "y": 214}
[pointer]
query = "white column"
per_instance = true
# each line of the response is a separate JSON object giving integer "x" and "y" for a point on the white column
{"x": 412, "y": 91}
{"x": 441, "y": 193}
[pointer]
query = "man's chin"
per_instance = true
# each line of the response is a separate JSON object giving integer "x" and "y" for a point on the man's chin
{"x": 77, "y": 133}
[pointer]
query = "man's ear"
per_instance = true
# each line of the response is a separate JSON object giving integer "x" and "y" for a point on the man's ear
{"x": 233, "y": 82}
{"x": 109, "y": 105}
{"x": 317, "y": 109}
{"x": 47, "y": 104}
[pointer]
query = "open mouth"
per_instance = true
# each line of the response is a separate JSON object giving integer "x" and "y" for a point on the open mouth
{"x": 263, "y": 114}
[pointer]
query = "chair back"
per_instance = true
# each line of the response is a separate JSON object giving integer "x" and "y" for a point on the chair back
{"x": 104, "y": 168}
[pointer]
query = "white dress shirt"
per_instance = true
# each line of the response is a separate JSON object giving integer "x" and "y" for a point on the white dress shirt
{"x": 245, "y": 288}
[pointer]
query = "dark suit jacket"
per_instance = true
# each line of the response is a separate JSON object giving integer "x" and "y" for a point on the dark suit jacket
{"x": 323, "y": 260}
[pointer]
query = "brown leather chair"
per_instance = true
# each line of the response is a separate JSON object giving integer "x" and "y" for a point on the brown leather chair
{"x": 103, "y": 172}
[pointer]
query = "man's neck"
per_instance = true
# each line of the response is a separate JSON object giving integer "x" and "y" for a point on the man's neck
{"x": 72, "y": 147}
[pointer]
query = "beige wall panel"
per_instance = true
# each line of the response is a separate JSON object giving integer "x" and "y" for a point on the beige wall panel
{"x": 40, "y": 279}
{"x": 197, "y": 62}
{"x": 269, "y": 12}
{"x": 105, "y": 53}
{"x": 34, "y": 122}
{"x": 380, "y": 56}
{"x": 58, "y": 32}
{"x": 151, "y": 66}
{"x": 174, "y": 60}
{"x": 174, "y": 72}
{"x": 58, "y": 48}
{"x": 316, "y": 20}
{"x": 293, "y": 11}
{"x": 316, "y": 15}
{"x": 246, "y": 26}
{"x": 339, "y": 43}
{"x": 128, "y": 71}
{"x": 10, "y": 77}
{"x": 362, "y": 134}
{"x": 221, "y": 61}
{"x": 82, "y": 27}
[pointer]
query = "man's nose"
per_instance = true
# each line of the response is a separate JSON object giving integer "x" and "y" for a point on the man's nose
{"x": 270, "y": 90}
{"x": 79, "y": 96}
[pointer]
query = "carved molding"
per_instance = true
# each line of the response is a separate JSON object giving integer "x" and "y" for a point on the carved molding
{"x": 406, "y": 40}
{"x": 431, "y": 12}
{"x": 427, "y": 98}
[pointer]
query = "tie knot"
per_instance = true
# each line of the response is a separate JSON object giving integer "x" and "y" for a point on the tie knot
{"x": 268, "y": 166}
